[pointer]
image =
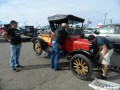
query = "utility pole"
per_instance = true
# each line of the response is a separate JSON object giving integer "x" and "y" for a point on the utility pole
{"x": 105, "y": 18}
{"x": 110, "y": 20}
{"x": 36, "y": 23}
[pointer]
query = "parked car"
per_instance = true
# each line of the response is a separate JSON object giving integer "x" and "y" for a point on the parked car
{"x": 88, "y": 31}
{"x": 44, "y": 30}
{"x": 75, "y": 48}
{"x": 111, "y": 32}
{"x": 27, "y": 30}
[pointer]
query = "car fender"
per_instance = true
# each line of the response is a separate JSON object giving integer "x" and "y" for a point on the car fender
{"x": 43, "y": 43}
{"x": 35, "y": 38}
{"x": 86, "y": 53}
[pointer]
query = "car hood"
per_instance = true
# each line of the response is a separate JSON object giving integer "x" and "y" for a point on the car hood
{"x": 81, "y": 44}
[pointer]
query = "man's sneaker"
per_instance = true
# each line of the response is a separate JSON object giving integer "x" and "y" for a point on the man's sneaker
{"x": 15, "y": 70}
{"x": 52, "y": 67}
{"x": 57, "y": 69}
{"x": 46, "y": 54}
{"x": 101, "y": 77}
{"x": 19, "y": 66}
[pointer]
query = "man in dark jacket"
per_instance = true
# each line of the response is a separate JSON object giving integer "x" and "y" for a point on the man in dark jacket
{"x": 13, "y": 36}
{"x": 59, "y": 35}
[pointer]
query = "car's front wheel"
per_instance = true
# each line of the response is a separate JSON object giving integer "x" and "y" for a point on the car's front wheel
{"x": 37, "y": 47}
{"x": 81, "y": 66}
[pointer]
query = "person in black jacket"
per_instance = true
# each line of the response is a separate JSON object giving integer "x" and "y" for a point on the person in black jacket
{"x": 13, "y": 36}
{"x": 59, "y": 35}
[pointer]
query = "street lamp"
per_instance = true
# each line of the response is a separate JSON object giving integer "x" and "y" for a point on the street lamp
{"x": 110, "y": 20}
{"x": 105, "y": 17}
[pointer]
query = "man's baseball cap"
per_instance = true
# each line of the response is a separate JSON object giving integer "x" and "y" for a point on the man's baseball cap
{"x": 13, "y": 22}
{"x": 91, "y": 37}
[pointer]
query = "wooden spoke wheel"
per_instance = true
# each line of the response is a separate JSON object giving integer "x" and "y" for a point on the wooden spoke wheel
{"x": 81, "y": 66}
{"x": 37, "y": 47}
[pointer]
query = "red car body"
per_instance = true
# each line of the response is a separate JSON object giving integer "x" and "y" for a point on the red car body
{"x": 75, "y": 43}
{"x": 1, "y": 31}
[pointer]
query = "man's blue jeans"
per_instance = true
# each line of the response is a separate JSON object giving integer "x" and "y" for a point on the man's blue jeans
{"x": 14, "y": 55}
{"x": 55, "y": 55}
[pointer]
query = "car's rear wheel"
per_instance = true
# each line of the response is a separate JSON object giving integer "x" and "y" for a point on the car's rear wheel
{"x": 37, "y": 47}
{"x": 81, "y": 66}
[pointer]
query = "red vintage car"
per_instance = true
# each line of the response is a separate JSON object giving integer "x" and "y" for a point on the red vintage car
{"x": 1, "y": 31}
{"x": 75, "y": 48}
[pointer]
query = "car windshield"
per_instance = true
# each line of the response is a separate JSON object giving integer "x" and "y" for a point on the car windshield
{"x": 75, "y": 28}
{"x": 47, "y": 27}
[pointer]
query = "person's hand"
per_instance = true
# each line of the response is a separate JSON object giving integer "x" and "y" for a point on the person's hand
{"x": 102, "y": 59}
{"x": 102, "y": 62}
{"x": 9, "y": 40}
{"x": 68, "y": 37}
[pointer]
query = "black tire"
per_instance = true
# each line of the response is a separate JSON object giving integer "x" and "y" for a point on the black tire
{"x": 37, "y": 47}
{"x": 81, "y": 66}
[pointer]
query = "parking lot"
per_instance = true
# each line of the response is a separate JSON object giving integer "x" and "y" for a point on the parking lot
{"x": 37, "y": 74}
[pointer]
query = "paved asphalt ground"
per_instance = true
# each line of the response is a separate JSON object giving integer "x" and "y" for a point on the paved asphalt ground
{"x": 37, "y": 74}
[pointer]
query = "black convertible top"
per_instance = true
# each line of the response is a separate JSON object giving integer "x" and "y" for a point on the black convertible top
{"x": 59, "y": 17}
{"x": 56, "y": 20}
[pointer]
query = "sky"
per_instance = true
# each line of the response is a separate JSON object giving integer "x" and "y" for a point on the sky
{"x": 36, "y": 12}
